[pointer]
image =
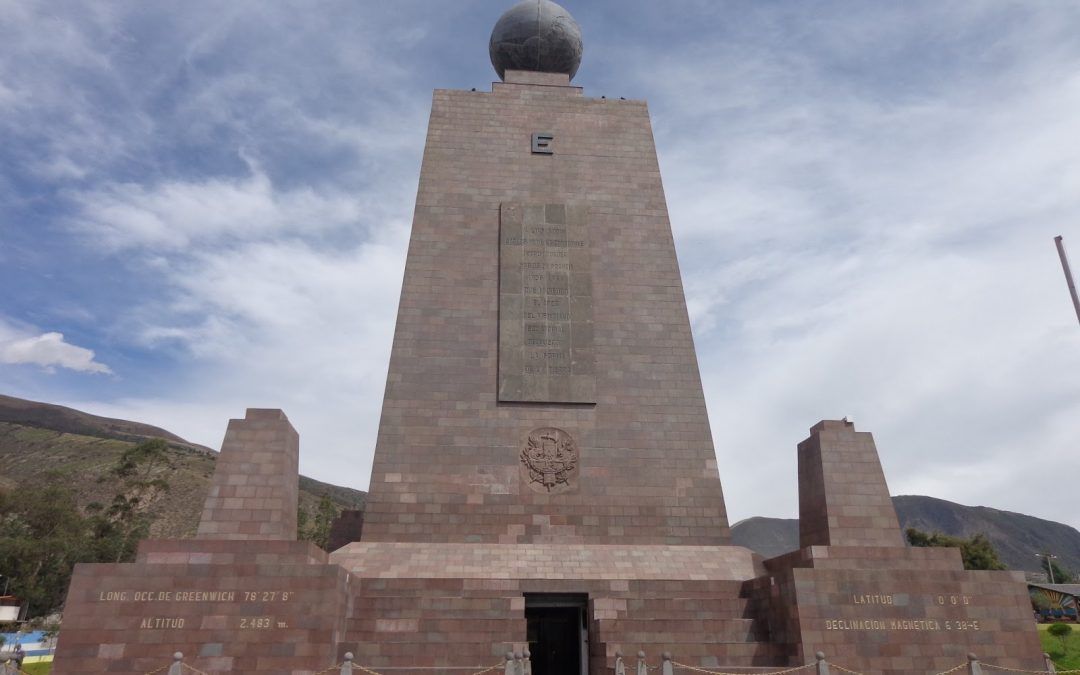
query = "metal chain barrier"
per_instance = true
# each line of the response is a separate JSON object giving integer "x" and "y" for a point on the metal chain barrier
{"x": 843, "y": 669}
{"x": 722, "y": 672}
{"x": 193, "y": 669}
{"x": 357, "y": 666}
{"x": 1018, "y": 670}
{"x": 953, "y": 670}
{"x": 8, "y": 668}
{"x": 325, "y": 671}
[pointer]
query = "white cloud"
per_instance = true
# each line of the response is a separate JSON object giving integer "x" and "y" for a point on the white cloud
{"x": 282, "y": 325}
{"x": 882, "y": 248}
{"x": 49, "y": 350}
{"x": 177, "y": 214}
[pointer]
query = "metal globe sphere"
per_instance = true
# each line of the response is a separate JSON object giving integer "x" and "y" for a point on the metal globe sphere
{"x": 536, "y": 35}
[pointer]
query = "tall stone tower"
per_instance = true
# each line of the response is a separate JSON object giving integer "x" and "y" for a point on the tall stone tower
{"x": 543, "y": 385}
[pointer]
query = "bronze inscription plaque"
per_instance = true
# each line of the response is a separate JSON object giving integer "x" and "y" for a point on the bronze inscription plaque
{"x": 545, "y": 305}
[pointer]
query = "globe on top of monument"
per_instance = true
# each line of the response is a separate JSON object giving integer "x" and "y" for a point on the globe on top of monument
{"x": 536, "y": 35}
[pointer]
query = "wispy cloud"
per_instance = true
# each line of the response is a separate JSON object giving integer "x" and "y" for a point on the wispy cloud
{"x": 178, "y": 214}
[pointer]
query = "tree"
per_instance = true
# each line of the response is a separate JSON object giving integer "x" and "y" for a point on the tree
{"x": 1060, "y": 631}
{"x": 317, "y": 529}
{"x": 977, "y": 552}
{"x": 120, "y": 526}
{"x": 42, "y": 536}
{"x": 1060, "y": 575}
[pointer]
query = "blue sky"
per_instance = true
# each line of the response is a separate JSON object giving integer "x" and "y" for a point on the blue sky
{"x": 205, "y": 207}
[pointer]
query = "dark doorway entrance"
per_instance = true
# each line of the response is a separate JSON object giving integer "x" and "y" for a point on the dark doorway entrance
{"x": 556, "y": 633}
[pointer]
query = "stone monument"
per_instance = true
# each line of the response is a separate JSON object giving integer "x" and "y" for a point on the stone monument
{"x": 544, "y": 476}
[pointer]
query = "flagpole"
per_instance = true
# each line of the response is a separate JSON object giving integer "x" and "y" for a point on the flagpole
{"x": 1068, "y": 274}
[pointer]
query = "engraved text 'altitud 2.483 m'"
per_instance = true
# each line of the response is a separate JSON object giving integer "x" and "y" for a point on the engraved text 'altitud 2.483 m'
{"x": 545, "y": 305}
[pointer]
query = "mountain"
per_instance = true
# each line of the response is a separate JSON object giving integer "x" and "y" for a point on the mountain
{"x": 43, "y": 444}
{"x": 1016, "y": 537}
{"x": 68, "y": 420}
{"x": 768, "y": 536}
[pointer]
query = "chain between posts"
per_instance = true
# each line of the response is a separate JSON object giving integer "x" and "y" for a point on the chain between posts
{"x": 722, "y": 672}
{"x": 515, "y": 661}
{"x": 374, "y": 672}
{"x": 177, "y": 667}
{"x": 1017, "y": 670}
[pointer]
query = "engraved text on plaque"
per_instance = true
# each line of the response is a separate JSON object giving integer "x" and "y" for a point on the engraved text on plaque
{"x": 545, "y": 305}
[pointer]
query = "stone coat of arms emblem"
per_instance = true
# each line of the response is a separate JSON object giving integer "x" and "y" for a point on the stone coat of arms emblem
{"x": 549, "y": 461}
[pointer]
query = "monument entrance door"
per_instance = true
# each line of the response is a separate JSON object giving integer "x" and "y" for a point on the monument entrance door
{"x": 556, "y": 633}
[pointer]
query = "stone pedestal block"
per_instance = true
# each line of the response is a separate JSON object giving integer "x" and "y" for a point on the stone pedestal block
{"x": 228, "y": 606}
{"x": 255, "y": 487}
{"x": 843, "y": 498}
{"x": 896, "y": 611}
{"x": 244, "y": 597}
{"x": 856, "y": 592}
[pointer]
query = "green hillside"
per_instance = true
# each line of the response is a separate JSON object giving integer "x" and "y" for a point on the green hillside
{"x": 50, "y": 445}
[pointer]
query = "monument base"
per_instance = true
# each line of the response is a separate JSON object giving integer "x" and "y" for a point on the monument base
{"x": 232, "y": 602}
{"x": 228, "y": 606}
{"x": 896, "y": 610}
{"x": 458, "y": 605}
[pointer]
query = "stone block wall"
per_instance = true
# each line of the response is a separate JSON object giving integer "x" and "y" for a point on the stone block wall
{"x": 254, "y": 492}
{"x": 448, "y": 454}
{"x": 228, "y": 606}
{"x": 843, "y": 497}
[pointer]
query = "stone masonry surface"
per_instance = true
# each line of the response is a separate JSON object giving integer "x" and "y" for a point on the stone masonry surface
{"x": 447, "y": 454}
{"x": 843, "y": 498}
{"x": 255, "y": 488}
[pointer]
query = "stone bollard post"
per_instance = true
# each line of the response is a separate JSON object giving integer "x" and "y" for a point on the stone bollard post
{"x": 177, "y": 667}
{"x": 1049, "y": 663}
{"x": 822, "y": 664}
{"x": 346, "y": 665}
{"x": 528, "y": 662}
{"x": 642, "y": 669}
{"x": 620, "y": 667}
{"x": 509, "y": 669}
{"x": 668, "y": 668}
{"x": 519, "y": 663}
{"x": 973, "y": 665}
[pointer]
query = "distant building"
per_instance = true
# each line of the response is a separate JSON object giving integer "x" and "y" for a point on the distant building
{"x": 10, "y": 608}
{"x": 1054, "y": 602}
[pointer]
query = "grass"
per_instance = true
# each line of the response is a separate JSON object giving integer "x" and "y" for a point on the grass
{"x": 1067, "y": 658}
{"x": 40, "y": 668}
